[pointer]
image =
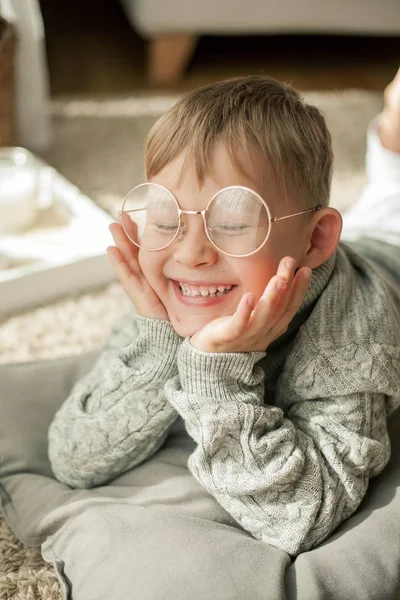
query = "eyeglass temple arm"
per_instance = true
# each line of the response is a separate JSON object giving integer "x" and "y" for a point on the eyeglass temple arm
{"x": 273, "y": 219}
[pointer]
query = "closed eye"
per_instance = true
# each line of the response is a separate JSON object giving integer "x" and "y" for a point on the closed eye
{"x": 230, "y": 228}
{"x": 166, "y": 228}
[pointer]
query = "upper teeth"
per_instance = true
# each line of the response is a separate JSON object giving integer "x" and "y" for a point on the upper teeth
{"x": 194, "y": 290}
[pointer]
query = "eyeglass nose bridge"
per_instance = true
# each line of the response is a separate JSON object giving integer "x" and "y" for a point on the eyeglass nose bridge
{"x": 189, "y": 212}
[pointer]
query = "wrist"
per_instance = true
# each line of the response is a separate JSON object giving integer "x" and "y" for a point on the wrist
{"x": 159, "y": 341}
{"x": 212, "y": 374}
{"x": 194, "y": 342}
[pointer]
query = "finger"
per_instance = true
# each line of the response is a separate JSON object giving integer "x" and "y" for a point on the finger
{"x": 144, "y": 298}
{"x": 129, "y": 226}
{"x": 127, "y": 229}
{"x": 292, "y": 295}
{"x": 273, "y": 301}
{"x": 288, "y": 304}
{"x": 299, "y": 288}
{"x": 128, "y": 250}
{"x": 116, "y": 228}
{"x": 129, "y": 281}
{"x": 265, "y": 311}
{"x": 242, "y": 314}
{"x": 235, "y": 326}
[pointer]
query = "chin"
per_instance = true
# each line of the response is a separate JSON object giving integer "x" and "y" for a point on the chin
{"x": 187, "y": 328}
{"x": 184, "y": 330}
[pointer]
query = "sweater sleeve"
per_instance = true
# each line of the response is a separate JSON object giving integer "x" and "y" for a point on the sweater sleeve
{"x": 289, "y": 481}
{"x": 117, "y": 415}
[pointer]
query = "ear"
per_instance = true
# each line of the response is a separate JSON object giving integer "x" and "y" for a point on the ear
{"x": 323, "y": 237}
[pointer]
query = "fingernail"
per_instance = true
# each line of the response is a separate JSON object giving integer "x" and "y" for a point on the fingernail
{"x": 307, "y": 273}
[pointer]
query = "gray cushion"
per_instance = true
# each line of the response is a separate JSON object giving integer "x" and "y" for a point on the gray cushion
{"x": 155, "y": 533}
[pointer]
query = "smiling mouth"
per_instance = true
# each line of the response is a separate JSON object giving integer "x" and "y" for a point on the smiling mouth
{"x": 209, "y": 295}
{"x": 201, "y": 294}
{"x": 191, "y": 292}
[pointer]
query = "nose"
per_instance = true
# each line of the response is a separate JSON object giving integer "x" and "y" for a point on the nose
{"x": 192, "y": 247}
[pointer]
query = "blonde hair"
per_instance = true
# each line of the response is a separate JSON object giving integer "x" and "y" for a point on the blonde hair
{"x": 254, "y": 116}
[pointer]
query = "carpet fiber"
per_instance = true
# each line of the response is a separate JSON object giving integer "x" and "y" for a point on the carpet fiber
{"x": 98, "y": 145}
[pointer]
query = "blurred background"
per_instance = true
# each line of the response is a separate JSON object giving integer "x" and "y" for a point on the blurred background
{"x": 121, "y": 46}
{"x": 81, "y": 84}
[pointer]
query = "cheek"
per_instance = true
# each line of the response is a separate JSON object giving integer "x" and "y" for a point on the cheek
{"x": 255, "y": 277}
{"x": 257, "y": 282}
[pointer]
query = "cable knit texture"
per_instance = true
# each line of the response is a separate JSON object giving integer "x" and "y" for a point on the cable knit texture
{"x": 117, "y": 415}
{"x": 286, "y": 440}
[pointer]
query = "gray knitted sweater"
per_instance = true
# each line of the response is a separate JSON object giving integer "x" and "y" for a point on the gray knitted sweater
{"x": 287, "y": 439}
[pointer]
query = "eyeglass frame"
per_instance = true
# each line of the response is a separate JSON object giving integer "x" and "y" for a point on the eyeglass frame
{"x": 203, "y": 213}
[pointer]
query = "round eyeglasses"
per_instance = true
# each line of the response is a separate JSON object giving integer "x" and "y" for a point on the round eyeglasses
{"x": 237, "y": 221}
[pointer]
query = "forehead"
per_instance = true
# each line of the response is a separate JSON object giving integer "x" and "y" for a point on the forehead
{"x": 180, "y": 175}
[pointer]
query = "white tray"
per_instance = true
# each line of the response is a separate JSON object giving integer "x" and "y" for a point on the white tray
{"x": 63, "y": 252}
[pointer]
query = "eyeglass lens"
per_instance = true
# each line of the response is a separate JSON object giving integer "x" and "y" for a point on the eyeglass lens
{"x": 237, "y": 220}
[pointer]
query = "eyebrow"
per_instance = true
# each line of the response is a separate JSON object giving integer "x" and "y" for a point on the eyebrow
{"x": 242, "y": 199}
{"x": 156, "y": 197}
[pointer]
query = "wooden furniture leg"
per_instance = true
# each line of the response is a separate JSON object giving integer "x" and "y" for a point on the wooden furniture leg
{"x": 168, "y": 56}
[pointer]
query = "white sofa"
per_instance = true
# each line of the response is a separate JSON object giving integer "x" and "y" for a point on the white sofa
{"x": 172, "y": 27}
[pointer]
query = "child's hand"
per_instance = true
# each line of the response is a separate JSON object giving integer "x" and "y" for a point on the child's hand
{"x": 392, "y": 95}
{"x": 248, "y": 330}
{"x": 124, "y": 260}
{"x": 389, "y": 122}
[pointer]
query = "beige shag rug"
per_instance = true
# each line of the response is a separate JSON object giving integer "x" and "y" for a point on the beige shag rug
{"x": 98, "y": 145}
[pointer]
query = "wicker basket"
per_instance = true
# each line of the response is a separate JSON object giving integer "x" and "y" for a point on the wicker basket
{"x": 7, "y": 83}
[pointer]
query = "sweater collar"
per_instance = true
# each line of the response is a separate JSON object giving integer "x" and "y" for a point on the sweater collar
{"x": 320, "y": 278}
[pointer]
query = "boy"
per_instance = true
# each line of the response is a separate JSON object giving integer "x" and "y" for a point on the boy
{"x": 285, "y": 391}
